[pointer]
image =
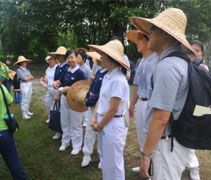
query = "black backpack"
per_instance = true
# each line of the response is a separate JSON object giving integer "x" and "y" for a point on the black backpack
{"x": 16, "y": 82}
{"x": 194, "y": 131}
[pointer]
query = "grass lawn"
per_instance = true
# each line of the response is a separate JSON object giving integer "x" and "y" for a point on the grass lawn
{"x": 41, "y": 159}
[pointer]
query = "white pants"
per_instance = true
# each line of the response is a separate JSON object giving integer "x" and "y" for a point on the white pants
{"x": 71, "y": 125}
{"x": 193, "y": 160}
{"x": 84, "y": 118}
{"x": 169, "y": 165}
{"x": 49, "y": 100}
{"x": 26, "y": 93}
{"x": 140, "y": 122}
{"x": 111, "y": 144}
{"x": 90, "y": 134}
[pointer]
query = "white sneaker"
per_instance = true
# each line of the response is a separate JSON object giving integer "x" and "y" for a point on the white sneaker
{"x": 47, "y": 121}
{"x": 75, "y": 151}
{"x": 99, "y": 165}
{"x": 194, "y": 174}
{"x": 25, "y": 116}
{"x": 57, "y": 136}
{"x": 29, "y": 113}
{"x": 136, "y": 169}
{"x": 63, "y": 147}
{"x": 86, "y": 160}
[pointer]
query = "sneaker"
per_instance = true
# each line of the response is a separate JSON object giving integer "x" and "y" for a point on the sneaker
{"x": 25, "y": 116}
{"x": 47, "y": 121}
{"x": 86, "y": 160}
{"x": 63, "y": 147}
{"x": 99, "y": 165}
{"x": 57, "y": 136}
{"x": 194, "y": 174}
{"x": 75, "y": 151}
{"x": 30, "y": 113}
{"x": 136, "y": 169}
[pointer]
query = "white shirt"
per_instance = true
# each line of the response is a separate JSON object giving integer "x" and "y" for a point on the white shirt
{"x": 49, "y": 75}
{"x": 114, "y": 85}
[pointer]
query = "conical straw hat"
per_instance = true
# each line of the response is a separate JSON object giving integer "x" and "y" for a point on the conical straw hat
{"x": 76, "y": 95}
{"x": 114, "y": 49}
{"x": 61, "y": 50}
{"x": 81, "y": 49}
{"x": 94, "y": 55}
{"x": 172, "y": 20}
{"x": 22, "y": 59}
{"x": 133, "y": 35}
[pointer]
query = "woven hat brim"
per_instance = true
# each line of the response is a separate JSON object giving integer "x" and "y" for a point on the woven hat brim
{"x": 25, "y": 60}
{"x": 108, "y": 51}
{"x": 133, "y": 35}
{"x": 81, "y": 49}
{"x": 94, "y": 56}
{"x": 56, "y": 53}
{"x": 145, "y": 24}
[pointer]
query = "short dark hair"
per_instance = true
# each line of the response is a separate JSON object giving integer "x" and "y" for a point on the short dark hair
{"x": 72, "y": 51}
{"x": 7, "y": 59}
{"x": 198, "y": 43}
{"x": 83, "y": 55}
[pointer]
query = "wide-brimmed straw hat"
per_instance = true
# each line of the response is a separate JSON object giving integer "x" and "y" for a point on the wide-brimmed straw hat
{"x": 94, "y": 55}
{"x": 133, "y": 35}
{"x": 114, "y": 49}
{"x": 81, "y": 49}
{"x": 76, "y": 95}
{"x": 22, "y": 59}
{"x": 61, "y": 50}
{"x": 172, "y": 20}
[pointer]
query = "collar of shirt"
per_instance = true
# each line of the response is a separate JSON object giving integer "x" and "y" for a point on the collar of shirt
{"x": 22, "y": 68}
{"x": 61, "y": 65}
{"x": 103, "y": 70}
{"x": 168, "y": 51}
{"x": 74, "y": 69}
{"x": 112, "y": 73}
{"x": 150, "y": 57}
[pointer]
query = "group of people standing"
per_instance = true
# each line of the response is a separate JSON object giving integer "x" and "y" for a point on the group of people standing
{"x": 161, "y": 88}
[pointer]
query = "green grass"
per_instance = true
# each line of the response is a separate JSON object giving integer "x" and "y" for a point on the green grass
{"x": 41, "y": 159}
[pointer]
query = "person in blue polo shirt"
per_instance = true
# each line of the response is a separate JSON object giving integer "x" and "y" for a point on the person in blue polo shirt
{"x": 70, "y": 119}
{"x": 90, "y": 101}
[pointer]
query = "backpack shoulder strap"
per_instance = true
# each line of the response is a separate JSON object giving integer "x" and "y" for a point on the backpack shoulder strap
{"x": 178, "y": 54}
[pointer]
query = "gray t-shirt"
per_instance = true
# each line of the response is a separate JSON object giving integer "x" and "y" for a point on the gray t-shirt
{"x": 87, "y": 71}
{"x": 170, "y": 87}
{"x": 128, "y": 63}
{"x": 144, "y": 72}
{"x": 22, "y": 73}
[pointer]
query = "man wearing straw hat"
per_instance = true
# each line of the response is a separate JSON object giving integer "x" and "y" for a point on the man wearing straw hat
{"x": 167, "y": 95}
{"x": 145, "y": 68}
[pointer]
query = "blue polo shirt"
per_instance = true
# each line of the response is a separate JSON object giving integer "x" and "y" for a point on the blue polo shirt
{"x": 71, "y": 76}
{"x": 60, "y": 71}
{"x": 94, "y": 90}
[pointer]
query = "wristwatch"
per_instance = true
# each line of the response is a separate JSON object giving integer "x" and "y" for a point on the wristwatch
{"x": 145, "y": 154}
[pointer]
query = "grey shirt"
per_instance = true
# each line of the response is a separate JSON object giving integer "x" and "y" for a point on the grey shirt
{"x": 128, "y": 63}
{"x": 170, "y": 87}
{"x": 22, "y": 73}
{"x": 144, "y": 72}
{"x": 87, "y": 71}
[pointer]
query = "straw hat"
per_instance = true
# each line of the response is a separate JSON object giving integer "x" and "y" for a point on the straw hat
{"x": 133, "y": 35}
{"x": 114, "y": 49}
{"x": 22, "y": 59}
{"x": 172, "y": 20}
{"x": 76, "y": 95}
{"x": 61, "y": 50}
{"x": 81, "y": 49}
{"x": 94, "y": 55}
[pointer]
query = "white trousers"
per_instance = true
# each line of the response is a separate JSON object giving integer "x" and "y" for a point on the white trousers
{"x": 84, "y": 118}
{"x": 193, "y": 160}
{"x": 169, "y": 165}
{"x": 90, "y": 134}
{"x": 140, "y": 122}
{"x": 71, "y": 125}
{"x": 49, "y": 100}
{"x": 111, "y": 144}
{"x": 26, "y": 93}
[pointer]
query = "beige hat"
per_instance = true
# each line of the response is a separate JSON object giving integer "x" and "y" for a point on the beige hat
{"x": 76, "y": 95}
{"x": 133, "y": 35}
{"x": 61, "y": 50}
{"x": 81, "y": 49}
{"x": 22, "y": 59}
{"x": 172, "y": 20}
{"x": 114, "y": 49}
{"x": 94, "y": 55}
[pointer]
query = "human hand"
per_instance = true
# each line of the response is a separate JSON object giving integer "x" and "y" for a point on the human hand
{"x": 144, "y": 167}
{"x": 131, "y": 110}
